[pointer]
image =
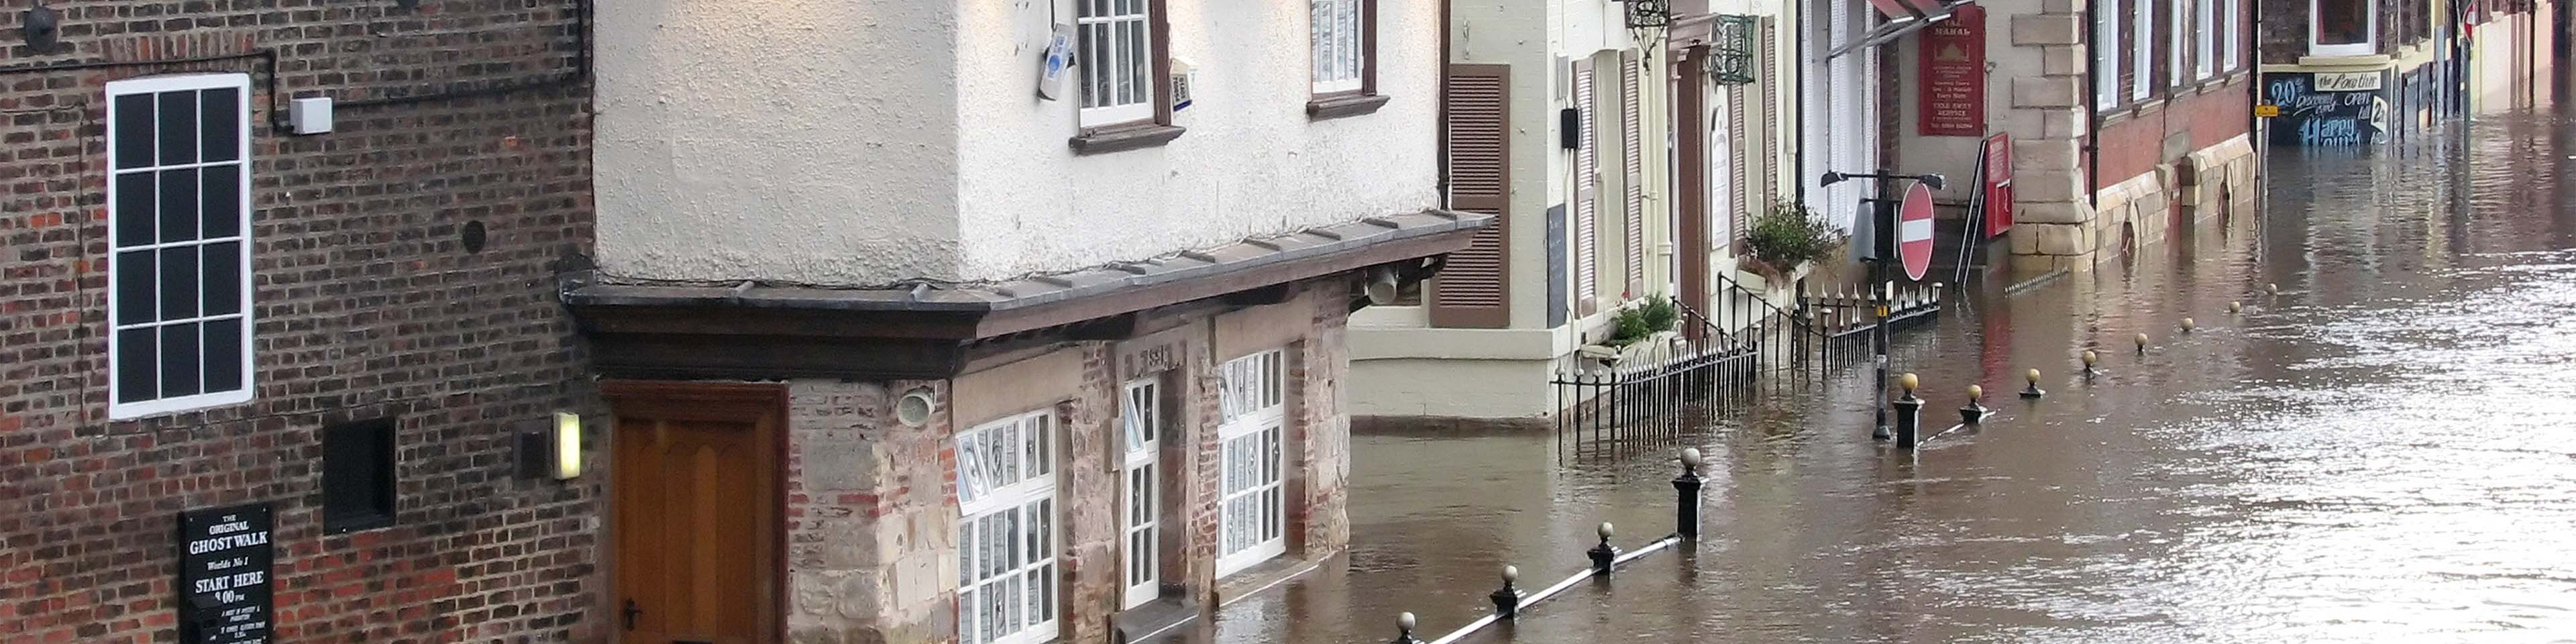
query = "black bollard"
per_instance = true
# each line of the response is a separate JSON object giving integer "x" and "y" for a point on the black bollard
{"x": 2032, "y": 391}
{"x": 1605, "y": 554}
{"x": 1909, "y": 410}
{"x": 1686, "y": 486}
{"x": 1975, "y": 411}
{"x": 1507, "y": 602}
{"x": 1404, "y": 630}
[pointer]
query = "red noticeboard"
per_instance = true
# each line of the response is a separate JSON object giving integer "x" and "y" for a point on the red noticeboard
{"x": 1954, "y": 74}
{"x": 1997, "y": 184}
{"x": 1914, "y": 231}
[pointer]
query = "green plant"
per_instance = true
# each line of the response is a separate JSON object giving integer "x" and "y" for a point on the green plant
{"x": 1632, "y": 324}
{"x": 1788, "y": 235}
{"x": 1659, "y": 314}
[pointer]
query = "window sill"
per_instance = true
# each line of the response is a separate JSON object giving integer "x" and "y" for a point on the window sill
{"x": 349, "y": 525}
{"x": 1158, "y": 617}
{"x": 1122, "y": 138}
{"x": 1342, "y": 105}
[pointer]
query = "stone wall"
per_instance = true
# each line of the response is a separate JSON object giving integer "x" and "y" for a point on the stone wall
{"x": 872, "y": 505}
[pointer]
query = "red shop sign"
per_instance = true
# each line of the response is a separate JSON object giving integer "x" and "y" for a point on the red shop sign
{"x": 1954, "y": 74}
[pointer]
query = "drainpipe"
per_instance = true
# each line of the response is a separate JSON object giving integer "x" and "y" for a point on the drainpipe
{"x": 2092, "y": 109}
{"x": 1800, "y": 15}
{"x": 1440, "y": 69}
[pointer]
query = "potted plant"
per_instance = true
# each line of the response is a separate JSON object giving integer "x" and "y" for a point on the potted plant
{"x": 1783, "y": 239}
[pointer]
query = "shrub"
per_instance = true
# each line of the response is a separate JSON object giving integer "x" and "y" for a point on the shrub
{"x": 1657, "y": 315}
{"x": 1788, "y": 235}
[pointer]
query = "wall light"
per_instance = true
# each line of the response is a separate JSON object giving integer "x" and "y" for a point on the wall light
{"x": 567, "y": 446}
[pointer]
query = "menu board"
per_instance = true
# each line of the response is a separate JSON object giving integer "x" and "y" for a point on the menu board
{"x": 224, "y": 565}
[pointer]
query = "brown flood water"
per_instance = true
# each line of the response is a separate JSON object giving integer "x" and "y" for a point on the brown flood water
{"x": 2385, "y": 452}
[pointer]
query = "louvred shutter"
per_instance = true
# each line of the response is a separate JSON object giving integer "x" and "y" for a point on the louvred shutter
{"x": 1632, "y": 131}
{"x": 1739, "y": 177}
{"x": 1587, "y": 179}
{"x": 1473, "y": 290}
{"x": 1769, "y": 165}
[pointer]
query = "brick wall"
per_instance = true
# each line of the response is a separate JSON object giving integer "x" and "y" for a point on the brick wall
{"x": 368, "y": 306}
{"x": 2134, "y": 142}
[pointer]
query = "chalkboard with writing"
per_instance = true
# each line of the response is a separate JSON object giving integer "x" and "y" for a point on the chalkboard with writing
{"x": 224, "y": 565}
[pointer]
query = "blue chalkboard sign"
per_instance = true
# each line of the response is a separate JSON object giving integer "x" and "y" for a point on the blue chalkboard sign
{"x": 2319, "y": 118}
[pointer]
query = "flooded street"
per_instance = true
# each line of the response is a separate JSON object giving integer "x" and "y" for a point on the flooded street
{"x": 2382, "y": 452}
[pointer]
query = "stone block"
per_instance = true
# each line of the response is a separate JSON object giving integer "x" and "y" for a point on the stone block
{"x": 2025, "y": 238}
{"x": 2047, "y": 29}
{"x": 2048, "y": 91}
{"x": 2072, "y": 7}
{"x": 2062, "y": 60}
{"x": 2022, "y": 124}
{"x": 2045, "y": 152}
{"x": 2063, "y": 123}
{"x": 2060, "y": 186}
{"x": 2050, "y": 212}
{"x": 2061, "y": 239}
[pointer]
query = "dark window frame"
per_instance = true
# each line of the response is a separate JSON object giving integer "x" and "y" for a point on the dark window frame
{"x": 1355, "y": 102}
{"x": 1152, "y": 131}
{"x": 365, "y": 450}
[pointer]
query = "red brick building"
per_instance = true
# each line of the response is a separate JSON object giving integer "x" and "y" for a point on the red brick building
{"x": 347, "y": 331}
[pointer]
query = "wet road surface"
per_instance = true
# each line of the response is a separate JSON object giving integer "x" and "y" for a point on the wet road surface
{"x": 2384, "y": 452}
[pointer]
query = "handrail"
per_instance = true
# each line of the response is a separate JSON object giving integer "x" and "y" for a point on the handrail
{"x": 1793, "y": 318}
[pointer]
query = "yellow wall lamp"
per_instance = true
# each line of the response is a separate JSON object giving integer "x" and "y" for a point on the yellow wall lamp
{"x": 554, "y": 452}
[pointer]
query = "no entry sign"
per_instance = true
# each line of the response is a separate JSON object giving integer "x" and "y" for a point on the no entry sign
{"x": 1914, "y": 231}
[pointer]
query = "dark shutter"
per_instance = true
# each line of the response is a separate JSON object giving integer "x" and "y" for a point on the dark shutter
{"x": 1587, "y": 177}
{"x": 1474, "y": 289}
{"x": 358, "y": 475}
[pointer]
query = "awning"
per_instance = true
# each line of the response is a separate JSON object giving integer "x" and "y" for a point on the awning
{"x": 1903, "y": 17}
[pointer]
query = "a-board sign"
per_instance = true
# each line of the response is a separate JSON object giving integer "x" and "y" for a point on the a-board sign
{"x": 224, "y": 565}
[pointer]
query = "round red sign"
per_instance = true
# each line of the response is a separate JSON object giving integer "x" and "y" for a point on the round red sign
{"x": 1914, "y": 231}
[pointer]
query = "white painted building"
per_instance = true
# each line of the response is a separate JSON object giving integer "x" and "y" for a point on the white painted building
{"x": 1027, "y": 314}
{"x": 1663, "y": 163}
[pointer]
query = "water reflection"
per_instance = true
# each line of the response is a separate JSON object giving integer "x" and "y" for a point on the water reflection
{"x": 2380, "y": 453}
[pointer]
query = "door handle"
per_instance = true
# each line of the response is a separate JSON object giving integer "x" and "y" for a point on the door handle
{"x": 631, "y": 611}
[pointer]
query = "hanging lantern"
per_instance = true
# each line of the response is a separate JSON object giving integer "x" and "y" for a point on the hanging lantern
{"x": 1649, "y": 14}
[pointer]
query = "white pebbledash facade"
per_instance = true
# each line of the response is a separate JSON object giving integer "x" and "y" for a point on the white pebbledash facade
{"x": 870, "y": 142}
{"x": 1021, "y": 361}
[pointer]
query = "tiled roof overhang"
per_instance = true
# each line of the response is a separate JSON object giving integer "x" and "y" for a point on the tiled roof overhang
{"x": 751, "y": 331}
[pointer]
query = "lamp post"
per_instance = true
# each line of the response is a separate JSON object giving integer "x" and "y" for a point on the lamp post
{"x": 1882, "y": 247}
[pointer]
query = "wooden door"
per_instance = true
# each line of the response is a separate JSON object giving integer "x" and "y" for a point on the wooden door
{"x": 696, "y": 522}
{"x": 1691, "y": 206}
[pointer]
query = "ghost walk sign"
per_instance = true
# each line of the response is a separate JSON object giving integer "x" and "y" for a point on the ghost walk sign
{"x": 225, "y": 562}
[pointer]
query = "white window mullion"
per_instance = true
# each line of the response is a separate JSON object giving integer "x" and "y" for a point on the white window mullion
{"x": 1117, "y": 56}
{"x": 2143, "y": 53}
{"x": 1250, "y": 434}
{"x": 1007, "y": 531}
{"x": 2106, "y": 54}
{"x": 179, "y": 270}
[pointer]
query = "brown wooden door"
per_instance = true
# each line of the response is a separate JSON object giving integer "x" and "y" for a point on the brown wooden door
{"x": 696, "y": 506}
{"x": 1691, "y": 183}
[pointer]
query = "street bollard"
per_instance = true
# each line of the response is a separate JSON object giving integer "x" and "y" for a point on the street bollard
{"x": 2142, "y": 344}
{"x": 2187, "y": 325}
{"x": 1507, "y": 602}
{"x": 1975, "y": 412}
{"x": 1686, "y": 486}
{"x": 2033, "y": 391}
{"x": 2236, "y": 307}
{"x": 1603, "y": 555}
{"x": 2089, "y": 358}
{"x": 2272, "y": 289}
{"x": 1404, "y": 630}
{"x": 1908, "y": 411}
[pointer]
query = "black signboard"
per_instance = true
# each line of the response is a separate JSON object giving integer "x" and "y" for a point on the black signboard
{"x": 224, "y": 565}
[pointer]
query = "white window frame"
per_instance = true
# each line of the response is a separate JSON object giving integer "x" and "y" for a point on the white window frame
{"x": 2106, "y": 57}
{"x": 2142, "y": 54}
{"x": 1013, "y": 497}
{"x": 1140, "y": 533}
{"x": 2206, "y": 63}
{"x": 1251, "y": 433}
{"x": 2368, "y": 45}
{"x": 2235, "y": 24}
{"x": 118, "y": 409}
{"x": 1121, "y": 88}
{"x": 1339, "y": 34}
{"x": 2175, "y": 74}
